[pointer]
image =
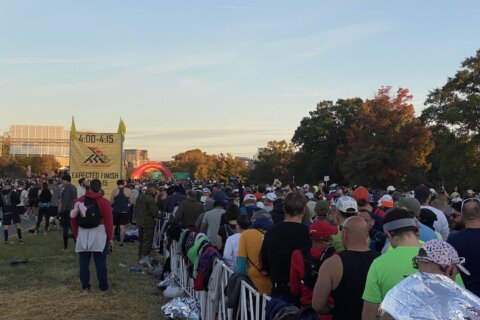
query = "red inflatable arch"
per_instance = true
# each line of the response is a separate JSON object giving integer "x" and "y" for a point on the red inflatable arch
{"x": 137, "y": 174}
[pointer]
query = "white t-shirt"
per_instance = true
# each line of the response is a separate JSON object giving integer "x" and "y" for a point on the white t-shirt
{"x": 231, "y": 251}
{"x": 441, "y": 225}
{"x": 80, "y": 192}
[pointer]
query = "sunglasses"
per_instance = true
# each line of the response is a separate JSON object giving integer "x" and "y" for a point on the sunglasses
{"x": 417, "y": 259}
{"x": 467, "y": 201}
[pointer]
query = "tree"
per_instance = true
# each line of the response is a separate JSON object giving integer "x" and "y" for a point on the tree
{"x": 455, "y": 160}
{"x": 457, "y": 103}
{"x": 201, "y": 165}
{"x": 39, "y": 165}
{"x": 273, "y": 161}
{"x": 318, "y": 137}
{"x": 386, "y": 144}
{"x": 195, "y": 162}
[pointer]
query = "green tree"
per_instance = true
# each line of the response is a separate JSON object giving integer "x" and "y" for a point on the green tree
{"x": 386, "y": 143}
{"x": 273, "y": 161}
{"x": 457, "y": 103}
{"x": 455, "y": 160}
{"x": 318, "y": 137}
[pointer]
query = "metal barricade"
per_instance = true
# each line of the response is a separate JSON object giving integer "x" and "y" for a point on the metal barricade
{"x": 251, "y": 306}
{"x": 249, "y": 303}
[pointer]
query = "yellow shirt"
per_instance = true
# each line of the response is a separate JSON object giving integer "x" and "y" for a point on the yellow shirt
{"x": 249, "y": 247}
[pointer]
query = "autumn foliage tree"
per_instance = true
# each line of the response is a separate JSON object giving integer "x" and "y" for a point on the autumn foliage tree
{"x": 201, "y": 165}
{"x": 386, "y": 144}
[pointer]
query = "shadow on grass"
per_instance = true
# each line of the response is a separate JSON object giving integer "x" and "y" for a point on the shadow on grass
{"x": 48, "y": 286}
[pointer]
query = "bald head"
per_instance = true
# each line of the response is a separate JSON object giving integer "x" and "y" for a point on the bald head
{"x": 471, "y": 210}
{"x": 355, "y": 232}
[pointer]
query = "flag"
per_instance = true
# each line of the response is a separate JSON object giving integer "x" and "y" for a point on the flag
{"x": 73, "y": 130}
{"x": 122, "y": 128}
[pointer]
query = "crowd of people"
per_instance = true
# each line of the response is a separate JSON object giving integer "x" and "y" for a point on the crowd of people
{"x": 336, "y": 250}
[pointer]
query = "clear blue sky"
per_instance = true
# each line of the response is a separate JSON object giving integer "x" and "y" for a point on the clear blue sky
{"x": 223, "y": 76}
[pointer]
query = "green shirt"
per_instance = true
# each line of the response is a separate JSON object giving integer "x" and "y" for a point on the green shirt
{"x": 337, "y": 243}
{"x": 388, "y": 270}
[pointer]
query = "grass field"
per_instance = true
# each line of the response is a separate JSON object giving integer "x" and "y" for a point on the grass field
{"x": 48, "y": 286}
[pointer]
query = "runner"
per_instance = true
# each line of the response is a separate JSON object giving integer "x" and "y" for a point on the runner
{"x": 9, "y": 201}
{"x": 68, "y": 196}
{"x": 120, "y": 201}
{"x": 45, "y": 196}
{"x": 343, "y": 276}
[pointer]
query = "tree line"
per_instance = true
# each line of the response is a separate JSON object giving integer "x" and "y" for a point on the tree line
{"x": 380, "y": 141}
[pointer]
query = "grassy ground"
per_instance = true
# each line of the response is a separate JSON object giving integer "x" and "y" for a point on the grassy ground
{"x": 48, "y": 286}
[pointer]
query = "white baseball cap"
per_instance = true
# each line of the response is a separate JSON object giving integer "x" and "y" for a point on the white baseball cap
{"x": 346, "y": 204}
{"x": 250, "y": 197}
{"x": 391, "y": 189}
{"x": 271, "y": 196}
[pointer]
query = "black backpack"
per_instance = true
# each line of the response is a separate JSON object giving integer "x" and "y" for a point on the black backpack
{"x": 93, "y": 216}
{"x": 312, "y": 265}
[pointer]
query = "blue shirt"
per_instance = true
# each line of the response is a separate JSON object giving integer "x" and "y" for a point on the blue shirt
{"x": 466, "y": 243}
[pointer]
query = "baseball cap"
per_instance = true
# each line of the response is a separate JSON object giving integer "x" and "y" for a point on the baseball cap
{"x": 250, "y": 197}
{"x": 206, "y": 190}
{"x": 271, "y": 196}
{"x": 410, "y": 204}
{"x": 470, "y": 191}
{"x": 346, "y": 204}
{"x": 361, "y": 193}
{"x": 386, "y": 201}
{"x": 442, "y": 253}
{"x": 321, "y": 229}
{"x": 261, "y": 214}
{"x": 322, "y": 206}
{"x": 306, "y": 186}
{"x": 391, "y": 189}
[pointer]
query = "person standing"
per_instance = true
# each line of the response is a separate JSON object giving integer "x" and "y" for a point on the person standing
{"x": 23, "y": 194}
{"x": 343, "y": 276}
{"x": 401, "y": 228}
{"x": 120, "y": 201}
{"x": 45, "y": 196}
{"x": 307, "y": 261}
{"x": 9, "y": 201}
{"x": 466, "y": 243}
{"x": 280, "y": 242}
{"x": 248, "y": 254}
{"x": 82, "y": 187}
{"x": 211, "y": 223}
{"x": 68, "y": 196}
{"x": 53, "y": 186}
{"x": 188, "y": 211}
{"x": 230, "y": 252}
{"x": 147, "y": 212}
{"x": 91, "y": 239}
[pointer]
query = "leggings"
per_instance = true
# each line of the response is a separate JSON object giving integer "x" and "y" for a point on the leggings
{"x": 43, "y": 212}
{"x": 65, "y": 215}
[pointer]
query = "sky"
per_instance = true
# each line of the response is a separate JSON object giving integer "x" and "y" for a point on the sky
{"x": 219, "y": 75}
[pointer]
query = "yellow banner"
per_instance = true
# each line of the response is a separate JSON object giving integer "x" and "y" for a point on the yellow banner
{"x": 97, "y": 156}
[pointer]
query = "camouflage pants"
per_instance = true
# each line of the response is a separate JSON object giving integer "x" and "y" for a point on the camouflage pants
{"x": 145, "y": 239}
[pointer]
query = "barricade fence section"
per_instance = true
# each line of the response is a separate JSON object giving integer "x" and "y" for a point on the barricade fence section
{"x": 251, "y": 305}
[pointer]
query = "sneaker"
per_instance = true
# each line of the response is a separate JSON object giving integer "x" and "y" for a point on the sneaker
{"x": 108, "y": 291}
{"x": 88, "y": 290}
{"x": 121, "y": 244}
{"x": 21, "y": 242}
{"x": 141, "y": 261}
{"x": 45, "y": 233}
{"x": 35, "y": 232}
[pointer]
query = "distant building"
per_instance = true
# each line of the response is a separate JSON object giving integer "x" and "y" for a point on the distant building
{"x": 248, "y": 162}
{"x": 38, "y": 140}
{"x": 135, "y": 157}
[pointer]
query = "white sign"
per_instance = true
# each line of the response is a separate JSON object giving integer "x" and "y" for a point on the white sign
{"x": 326, "y": 178}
